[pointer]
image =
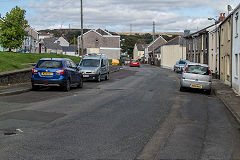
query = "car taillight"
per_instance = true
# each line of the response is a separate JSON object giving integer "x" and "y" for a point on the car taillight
{"x": 210, "y": 73}
{"x": 61, "y": 71}
{"x": 34, "y": 70}
{"x": 186, "y": 69}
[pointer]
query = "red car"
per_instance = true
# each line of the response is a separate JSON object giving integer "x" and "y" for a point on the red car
{"x": 134, "y": 63}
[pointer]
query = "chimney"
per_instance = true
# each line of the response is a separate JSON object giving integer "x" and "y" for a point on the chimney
{"x": 221, "y": 18}
{"x": 186, "y": 32}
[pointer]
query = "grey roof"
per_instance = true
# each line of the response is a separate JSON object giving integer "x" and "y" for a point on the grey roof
{"x": 141, "y": 47}
{"x": 69, "y": 49}
{"x": 102, "y": 32}
{"x": 49, "y": 43}
{"x": 177, "y": 41}
{"x": 202, "y": 31}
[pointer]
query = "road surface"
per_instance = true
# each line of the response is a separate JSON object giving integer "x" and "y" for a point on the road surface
{"x": 138, "y": 114}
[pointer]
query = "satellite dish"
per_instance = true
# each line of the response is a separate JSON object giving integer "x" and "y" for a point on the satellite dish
{"x": 229, "y": 8}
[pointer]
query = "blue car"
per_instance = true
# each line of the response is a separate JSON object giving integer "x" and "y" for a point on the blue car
{"x": 59, "y": 72}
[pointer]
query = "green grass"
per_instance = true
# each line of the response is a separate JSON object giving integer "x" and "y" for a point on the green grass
{"x": 14, "y": 61}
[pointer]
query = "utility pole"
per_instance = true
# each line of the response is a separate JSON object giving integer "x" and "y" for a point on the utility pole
{"x": 130, "y": 29}
{"x": 153, "y": 58}
{"x": 82, "y": 48}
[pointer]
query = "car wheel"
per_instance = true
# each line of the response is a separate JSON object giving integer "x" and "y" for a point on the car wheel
{"x": 99, "y": 78}
{"x": 107, "y": 77}
{"x": 182, "y": 89}
{"x": 35, "y": 88}
{"x": 67, "y": 86}
{"x": 80, "y": 85}
{"x": 208, "y": 92}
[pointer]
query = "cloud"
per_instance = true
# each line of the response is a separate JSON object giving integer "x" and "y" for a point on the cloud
{"x": 117, "y": 15}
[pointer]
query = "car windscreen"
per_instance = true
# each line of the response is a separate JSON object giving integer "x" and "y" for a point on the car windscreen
{"x": 181, "y": 62}
{"x": 49, "y": 64}
{"x": 90, "y": 63}
{"x": 197, "y": 69}
{"x": 134, "y": 60}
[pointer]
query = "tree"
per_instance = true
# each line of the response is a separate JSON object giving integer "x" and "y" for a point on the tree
{"x": 12, "y": 28}
{"x": 128, "y": 44}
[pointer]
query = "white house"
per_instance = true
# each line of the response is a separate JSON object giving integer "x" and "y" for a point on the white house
{"x": 62, "y": 42}
{"x": 31, "y": 41}
{"x": 236, "y": 50}
{"x": 213, "y": 43}
{"x": 138, "y": 51}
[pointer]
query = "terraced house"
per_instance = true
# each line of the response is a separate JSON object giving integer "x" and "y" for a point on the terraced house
{"x": 236, "y": 50}
{"x": 225, "y": 29}
{"x": 197, "y": 46}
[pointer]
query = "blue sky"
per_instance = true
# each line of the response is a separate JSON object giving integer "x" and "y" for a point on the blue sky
{"x": 117, "y": 15}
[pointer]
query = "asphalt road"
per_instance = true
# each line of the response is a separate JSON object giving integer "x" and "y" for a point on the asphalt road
{"x": 138, "y": 114}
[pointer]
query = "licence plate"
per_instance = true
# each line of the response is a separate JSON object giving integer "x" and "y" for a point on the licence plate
{"x": 47, "y": 73}
{"x": 196, "y": 86}
{"x": 85, "y": 76}
{"x": 134, "y": 63}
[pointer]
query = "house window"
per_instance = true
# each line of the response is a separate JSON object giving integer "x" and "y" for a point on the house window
{"x": 236, "y": 66}
{"x": 229, "y": 30}
{"x": 212, "y": 41}
{"x": 222, "y": 37}
{"x": 236, "y": 25}
{"x": 228, "y": 65}
{"x": 202, "y": 42}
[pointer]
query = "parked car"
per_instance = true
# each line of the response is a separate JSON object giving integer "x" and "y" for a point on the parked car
{"x": 180, "y": 65}
{"x": 134, "y": 63}
{"x": 196, "y": 76}
{"x": 94, "y": 67}
{"x": 59, "y": 72}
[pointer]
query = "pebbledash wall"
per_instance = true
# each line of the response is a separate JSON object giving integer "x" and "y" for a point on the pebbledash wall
{"x": 15, "y": 77}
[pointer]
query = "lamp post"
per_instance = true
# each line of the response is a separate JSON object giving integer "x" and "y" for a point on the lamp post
{"x": 81, "y": 28}
{"x": 216, "y": 30}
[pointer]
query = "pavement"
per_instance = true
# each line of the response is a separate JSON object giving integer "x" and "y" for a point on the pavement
{"x": 226, "y": 94}
{"x": 26, "y": 87}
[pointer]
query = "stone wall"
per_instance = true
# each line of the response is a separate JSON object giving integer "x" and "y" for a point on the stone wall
{"x": 15, "y": 77}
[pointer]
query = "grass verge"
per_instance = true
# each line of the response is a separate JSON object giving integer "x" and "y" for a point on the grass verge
{"x": 14, "y": 61}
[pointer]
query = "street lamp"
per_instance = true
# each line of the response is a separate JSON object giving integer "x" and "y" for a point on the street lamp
{"x": 216, "y": 72}
{"x": 81, "y": 27}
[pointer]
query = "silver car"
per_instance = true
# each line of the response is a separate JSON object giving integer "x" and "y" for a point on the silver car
{"x": 180, "y": 65}
{"x": 197, "y": 76}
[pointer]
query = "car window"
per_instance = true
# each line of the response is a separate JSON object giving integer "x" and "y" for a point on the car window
{"x": 182, "y": 62}
{"x": 73, "y": 64}
{"x": 134, "y": 60}
{"x": 102, "y": 63}
{"x": 90, "y": 63}
{"x": 68, "y": 64}
{"x": 49, "y": 64}
{"x": 197, "y": 69}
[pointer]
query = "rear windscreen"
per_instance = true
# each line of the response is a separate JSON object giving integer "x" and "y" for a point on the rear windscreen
{"x": 134, "y": 60}
{"x": 182, "y": 62}
{"x": 197, "y": 69}
{"x": 49, "y": 64}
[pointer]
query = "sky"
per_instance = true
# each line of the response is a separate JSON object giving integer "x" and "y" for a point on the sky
{"x": 119, "y": 15}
